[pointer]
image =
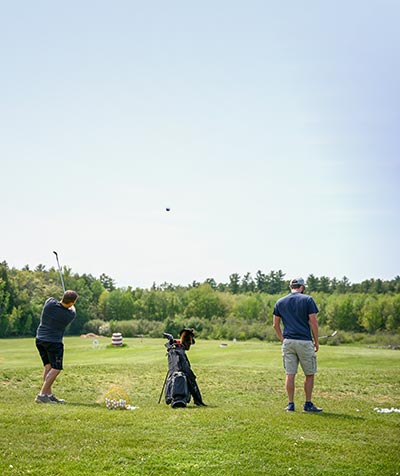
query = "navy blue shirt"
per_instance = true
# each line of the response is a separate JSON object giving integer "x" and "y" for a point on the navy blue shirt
{"x": 53, "y": 321}
{"x": 294, "y": 310}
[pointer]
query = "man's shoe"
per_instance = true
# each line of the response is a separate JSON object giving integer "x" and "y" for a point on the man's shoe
{"x": 43, "y": 399}
{"x": 311, "y": 408}
{"x": 290, "y": 407}
{"x": 54, "y": 399}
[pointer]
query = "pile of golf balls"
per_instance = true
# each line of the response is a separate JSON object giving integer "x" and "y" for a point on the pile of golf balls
{"x": 112, "y": 404}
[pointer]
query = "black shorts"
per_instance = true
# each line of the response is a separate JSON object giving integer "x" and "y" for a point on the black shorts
{"x": 51, "y": 353}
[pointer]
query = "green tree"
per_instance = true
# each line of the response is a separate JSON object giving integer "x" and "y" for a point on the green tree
{"x": 261, "y": 281}
{"x": 40, "y": 268}
{"x": 393, "y": 318}
{"x": 312, "y": 284}
{"x": 107, "y": 282}
{"x": 274, "y": 282}
{"x": 119, "y": 306}
{"x": 249, "y": 308}
{"x": 6, "y": 301}
{"x": 247, "y": 284}
{"x": 343, "y": 312}
{"x": 203, "y": 302}
{"x": 103, "y": 303}
{"x": 211, "y": 282}
{"x": 371, "y": 315}
{"x": 234, "y": 283}
{"x": 343, "y": 285}
{"x": 324, "y": 284}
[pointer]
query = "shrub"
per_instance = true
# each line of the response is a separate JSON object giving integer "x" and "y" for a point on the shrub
{"x": 94, "y": 326}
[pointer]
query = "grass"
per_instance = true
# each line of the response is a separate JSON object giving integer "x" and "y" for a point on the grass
{"x": 243, "y": 431}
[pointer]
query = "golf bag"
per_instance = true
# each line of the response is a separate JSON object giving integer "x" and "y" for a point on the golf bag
{"x": 181, "y": 381}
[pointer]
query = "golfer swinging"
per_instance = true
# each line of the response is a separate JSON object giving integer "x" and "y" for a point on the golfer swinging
{"x": 299, "y": 315}
{"x": 56, "y": 315}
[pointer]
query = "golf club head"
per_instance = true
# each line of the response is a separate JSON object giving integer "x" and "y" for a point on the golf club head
{"x": 330, "y": 335}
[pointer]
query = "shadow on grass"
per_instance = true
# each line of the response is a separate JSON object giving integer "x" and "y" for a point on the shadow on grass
{"x": 193, "y": 407}
{"x": 101, "y": 405}
{"x": 338, "y": 416}
{"x": 81, "y": 404}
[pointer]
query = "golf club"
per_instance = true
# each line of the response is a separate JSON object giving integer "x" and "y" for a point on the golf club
{"x": 162, "y": 390}
{"x": 330, "y": 335}
{"x": 59, "y": 270}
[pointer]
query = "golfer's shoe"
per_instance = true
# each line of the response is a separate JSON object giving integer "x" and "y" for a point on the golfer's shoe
{"x": 311, "y": 408}
{"x": 54, "y": 399}
{"x": 290, "y": 407}
{"x": 43, "y": 399}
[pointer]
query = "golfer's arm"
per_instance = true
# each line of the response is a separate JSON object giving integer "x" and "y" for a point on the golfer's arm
{"x": 277, "y": 327}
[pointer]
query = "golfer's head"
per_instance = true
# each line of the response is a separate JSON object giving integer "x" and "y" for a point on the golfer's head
{"x": 297, "y": 284}
{"x": 69, "y": 298}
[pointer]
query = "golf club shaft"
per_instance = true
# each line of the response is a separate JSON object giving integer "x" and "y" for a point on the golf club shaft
{"x": 330, "y": 335}
{"x": 162, "y": 390}
{"x": 59, "y": 270}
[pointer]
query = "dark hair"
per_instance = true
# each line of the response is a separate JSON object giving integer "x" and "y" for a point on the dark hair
{"x": 296, "y": 286}
{"x": 69, "y": 296}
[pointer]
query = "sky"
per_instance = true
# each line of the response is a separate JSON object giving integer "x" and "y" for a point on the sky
{"x": 269, "y": 129}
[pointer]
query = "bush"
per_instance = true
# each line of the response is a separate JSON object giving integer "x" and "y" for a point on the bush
{"x": 94, "y": 326}
{"x": 126, "y": 328}
{"x": 105, "y": 329}
{"x": 133, "y": 328}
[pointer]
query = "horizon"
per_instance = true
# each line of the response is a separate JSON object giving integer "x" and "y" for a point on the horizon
{"x": 190, "y": 283}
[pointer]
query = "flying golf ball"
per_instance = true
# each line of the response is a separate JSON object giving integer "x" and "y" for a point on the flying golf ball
{"x": 167, "y": 209}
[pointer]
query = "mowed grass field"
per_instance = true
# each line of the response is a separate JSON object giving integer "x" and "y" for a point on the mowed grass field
{"x": 243, "y": 431}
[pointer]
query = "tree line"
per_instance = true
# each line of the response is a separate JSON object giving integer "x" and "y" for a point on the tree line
{"x": 241, "y": 308}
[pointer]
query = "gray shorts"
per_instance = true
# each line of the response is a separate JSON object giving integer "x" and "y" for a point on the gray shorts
{"x": 299, "y": 351}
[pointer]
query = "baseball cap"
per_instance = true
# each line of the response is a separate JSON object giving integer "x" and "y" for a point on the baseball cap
{"x": 297, "y": 281}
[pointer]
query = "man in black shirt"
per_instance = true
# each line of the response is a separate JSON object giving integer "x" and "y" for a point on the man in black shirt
{"x": 56, "y": 315}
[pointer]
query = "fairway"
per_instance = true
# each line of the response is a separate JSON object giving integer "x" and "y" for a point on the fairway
{"x": 243, "y": 431}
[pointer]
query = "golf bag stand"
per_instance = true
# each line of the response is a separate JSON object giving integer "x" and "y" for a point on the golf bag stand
{"x": 181, "y": 381}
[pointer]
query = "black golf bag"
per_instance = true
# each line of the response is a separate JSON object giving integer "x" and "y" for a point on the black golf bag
{"x": 181, "y": 381}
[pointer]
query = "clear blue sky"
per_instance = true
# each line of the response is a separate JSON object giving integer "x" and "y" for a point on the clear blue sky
{"x": 271, "y": 130}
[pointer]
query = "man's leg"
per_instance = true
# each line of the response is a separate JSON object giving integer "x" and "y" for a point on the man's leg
{"x": 46, "y": 370}
{"x": 49, "y": 376}
{"x": 290, "y": 363}
{"x": 308, "y": 387}
{"x": 290, "y": 386}
{"x": 309, "y": 407}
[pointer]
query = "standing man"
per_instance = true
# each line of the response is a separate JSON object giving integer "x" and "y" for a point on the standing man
{"x": 299, "y": 316}
{"x": 56, "y": 315}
